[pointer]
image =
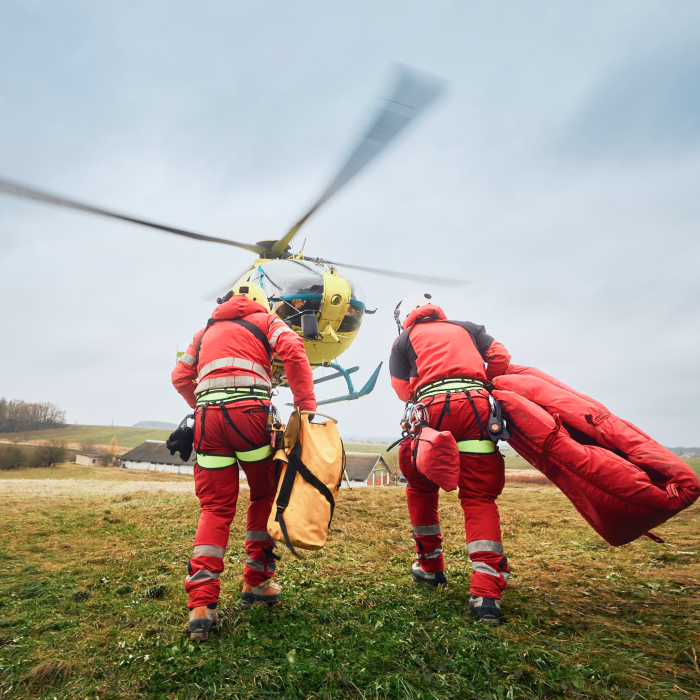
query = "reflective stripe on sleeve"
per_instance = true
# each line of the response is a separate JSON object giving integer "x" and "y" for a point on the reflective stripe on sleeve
{"x": 187, "y": 359}
{"x": 237, "y": 362}
{"x": 215, "y": 461}
{"x": 476, "y": 447}
{"x": 258, "y": 536}
{"x": 484, "y": 546}
{"x": 255, "y": 455}
{"x": 426, "y": 529}
{"x": 203, "y": 575}
{"x": 232, "y": 381}
{"x": 272, "y": 339}
{"x": 208, "y": 550}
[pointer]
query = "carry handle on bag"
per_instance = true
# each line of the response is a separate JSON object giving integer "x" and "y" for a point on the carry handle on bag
{"x": 310, "y": 467}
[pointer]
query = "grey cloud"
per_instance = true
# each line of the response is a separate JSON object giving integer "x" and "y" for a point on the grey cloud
{"x": 647, "y": 106}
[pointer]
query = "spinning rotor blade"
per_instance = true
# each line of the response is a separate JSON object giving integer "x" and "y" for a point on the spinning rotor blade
{"x": 425, "y": 279}
{"x": 415, "y": 90}
{"x": 222, "y": 289}
{"x": 18, "y": 190}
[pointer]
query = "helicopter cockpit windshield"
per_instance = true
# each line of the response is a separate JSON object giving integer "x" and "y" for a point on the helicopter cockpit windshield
{"x": 295, "y": 287}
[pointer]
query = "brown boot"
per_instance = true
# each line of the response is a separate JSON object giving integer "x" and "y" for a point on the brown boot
{"x": 202, "y": 619}
{"x": 267, "y": 592}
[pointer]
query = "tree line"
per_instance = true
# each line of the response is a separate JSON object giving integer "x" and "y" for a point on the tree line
{"x": 15, "y": 457}
{"x": 18, "y": 416}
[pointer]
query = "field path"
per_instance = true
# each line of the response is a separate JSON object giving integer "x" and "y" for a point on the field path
{"x": 23, "y": 489}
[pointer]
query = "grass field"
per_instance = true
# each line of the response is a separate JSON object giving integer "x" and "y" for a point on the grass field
{"x": 91, "y": 602}
{"x": 97, "y": 434}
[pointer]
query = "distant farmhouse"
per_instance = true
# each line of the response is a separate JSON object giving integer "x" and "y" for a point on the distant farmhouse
{"x": 363, "y": 469}
{"x": 90, "y": 458}
{"x": 154, "y": 456}
{"x": 366, "y": 469}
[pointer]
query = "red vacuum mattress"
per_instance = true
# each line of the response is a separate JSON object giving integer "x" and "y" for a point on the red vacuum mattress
{"x": 620, "y": 480}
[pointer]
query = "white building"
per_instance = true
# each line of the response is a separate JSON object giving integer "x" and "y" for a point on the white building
{"x": 154, "y": 456}
{"x": 92, "y": 458}
{"x": 366, "y": 469}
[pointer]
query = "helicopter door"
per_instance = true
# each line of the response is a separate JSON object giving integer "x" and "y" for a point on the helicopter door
{"x": 336, "y": 297}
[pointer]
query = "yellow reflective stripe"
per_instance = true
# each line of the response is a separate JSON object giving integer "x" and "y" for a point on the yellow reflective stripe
{"x": 215, "y": 461}
{"x": 255, "y": 455}
{"x": 482, "y": 447}
{"x": 232, "y": 395}
{"x": 442, "y": 386}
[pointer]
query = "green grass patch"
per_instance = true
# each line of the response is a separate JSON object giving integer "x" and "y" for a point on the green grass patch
{"x": 91, "y": 605}
{"x": 98, "y": 434}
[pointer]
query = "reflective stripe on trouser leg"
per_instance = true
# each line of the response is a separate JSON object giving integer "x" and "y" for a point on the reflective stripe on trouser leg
{"x": 490, "y": 574}
{"x": 203, "y": 572}
{"x": 217, "y": 490}
{"x": 259, "y": 546}
{"x": 428, "y": 540}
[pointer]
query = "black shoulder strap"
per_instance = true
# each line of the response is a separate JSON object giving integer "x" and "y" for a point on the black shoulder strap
{"x": 250, "y": 327}
{"x": 256, "y": 332}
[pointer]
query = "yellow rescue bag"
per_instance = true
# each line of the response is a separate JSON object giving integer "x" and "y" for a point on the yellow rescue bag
{"x": 311, "y": 465}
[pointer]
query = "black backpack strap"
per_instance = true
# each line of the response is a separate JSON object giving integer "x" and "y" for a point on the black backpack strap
{"x": 296, "y": 466}
{"x": 285, "y": 492}
{"x": 250, "y": 327}
{"x": 256, "y": 332}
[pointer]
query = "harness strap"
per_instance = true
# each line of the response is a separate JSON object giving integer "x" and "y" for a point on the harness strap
{"x": 445, "y": 411}
{"x": 476, "y": 415}
{"x": 476, "y": 447}
{"x": 207, "y": 461}
{"x": 441, "y": 386}
{"x": 201, "y": 428}
{"x": 225, "y": 396}
{"x": 227, "y": 418}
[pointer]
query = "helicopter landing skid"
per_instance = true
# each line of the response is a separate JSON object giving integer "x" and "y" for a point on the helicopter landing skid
{"x": 345, "y": 373}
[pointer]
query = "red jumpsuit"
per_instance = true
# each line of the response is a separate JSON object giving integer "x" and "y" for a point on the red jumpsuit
{"x": 232, "y": 361}
{"x": 429, "y": 350}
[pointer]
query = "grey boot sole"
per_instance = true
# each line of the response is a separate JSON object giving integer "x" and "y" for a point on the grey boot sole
{"x": 248, "y": 600}
{"x": 200, "y": 630}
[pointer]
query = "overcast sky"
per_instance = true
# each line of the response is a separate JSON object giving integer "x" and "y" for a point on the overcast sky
{"x": 559, "y": 173}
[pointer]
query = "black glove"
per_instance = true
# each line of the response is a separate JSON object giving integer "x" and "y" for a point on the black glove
{"x": 181, "y": 440}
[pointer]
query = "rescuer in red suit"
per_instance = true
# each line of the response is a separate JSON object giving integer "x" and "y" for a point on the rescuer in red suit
{"x": 445, "y": 365}
{"x": 225, "y": 376}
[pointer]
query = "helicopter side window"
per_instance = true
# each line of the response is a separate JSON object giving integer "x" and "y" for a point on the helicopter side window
{"x": 291, "y": 308}
{"x": 353, "y": 318}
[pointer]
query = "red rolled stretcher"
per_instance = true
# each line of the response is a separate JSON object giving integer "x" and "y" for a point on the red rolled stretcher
{"x": 621, "y": 481}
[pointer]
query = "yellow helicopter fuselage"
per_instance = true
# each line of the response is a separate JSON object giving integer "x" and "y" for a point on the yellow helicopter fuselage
{"x": 310, "y": 288}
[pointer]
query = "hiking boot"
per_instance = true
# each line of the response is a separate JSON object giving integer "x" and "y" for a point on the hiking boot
{"x": 256, "y": 595}
{"x": 429, "y": 578}
{"x": 488, "y": 610}
{"x": 202, "y": 619}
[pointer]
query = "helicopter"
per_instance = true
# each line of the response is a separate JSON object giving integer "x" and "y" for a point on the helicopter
{"x": 322, "y": 306}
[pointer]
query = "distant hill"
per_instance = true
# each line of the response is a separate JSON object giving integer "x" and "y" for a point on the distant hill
{"x": 154, "y": 425}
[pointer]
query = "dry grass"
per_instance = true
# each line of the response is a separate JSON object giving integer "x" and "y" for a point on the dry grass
{"x": 93, "y": 573}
